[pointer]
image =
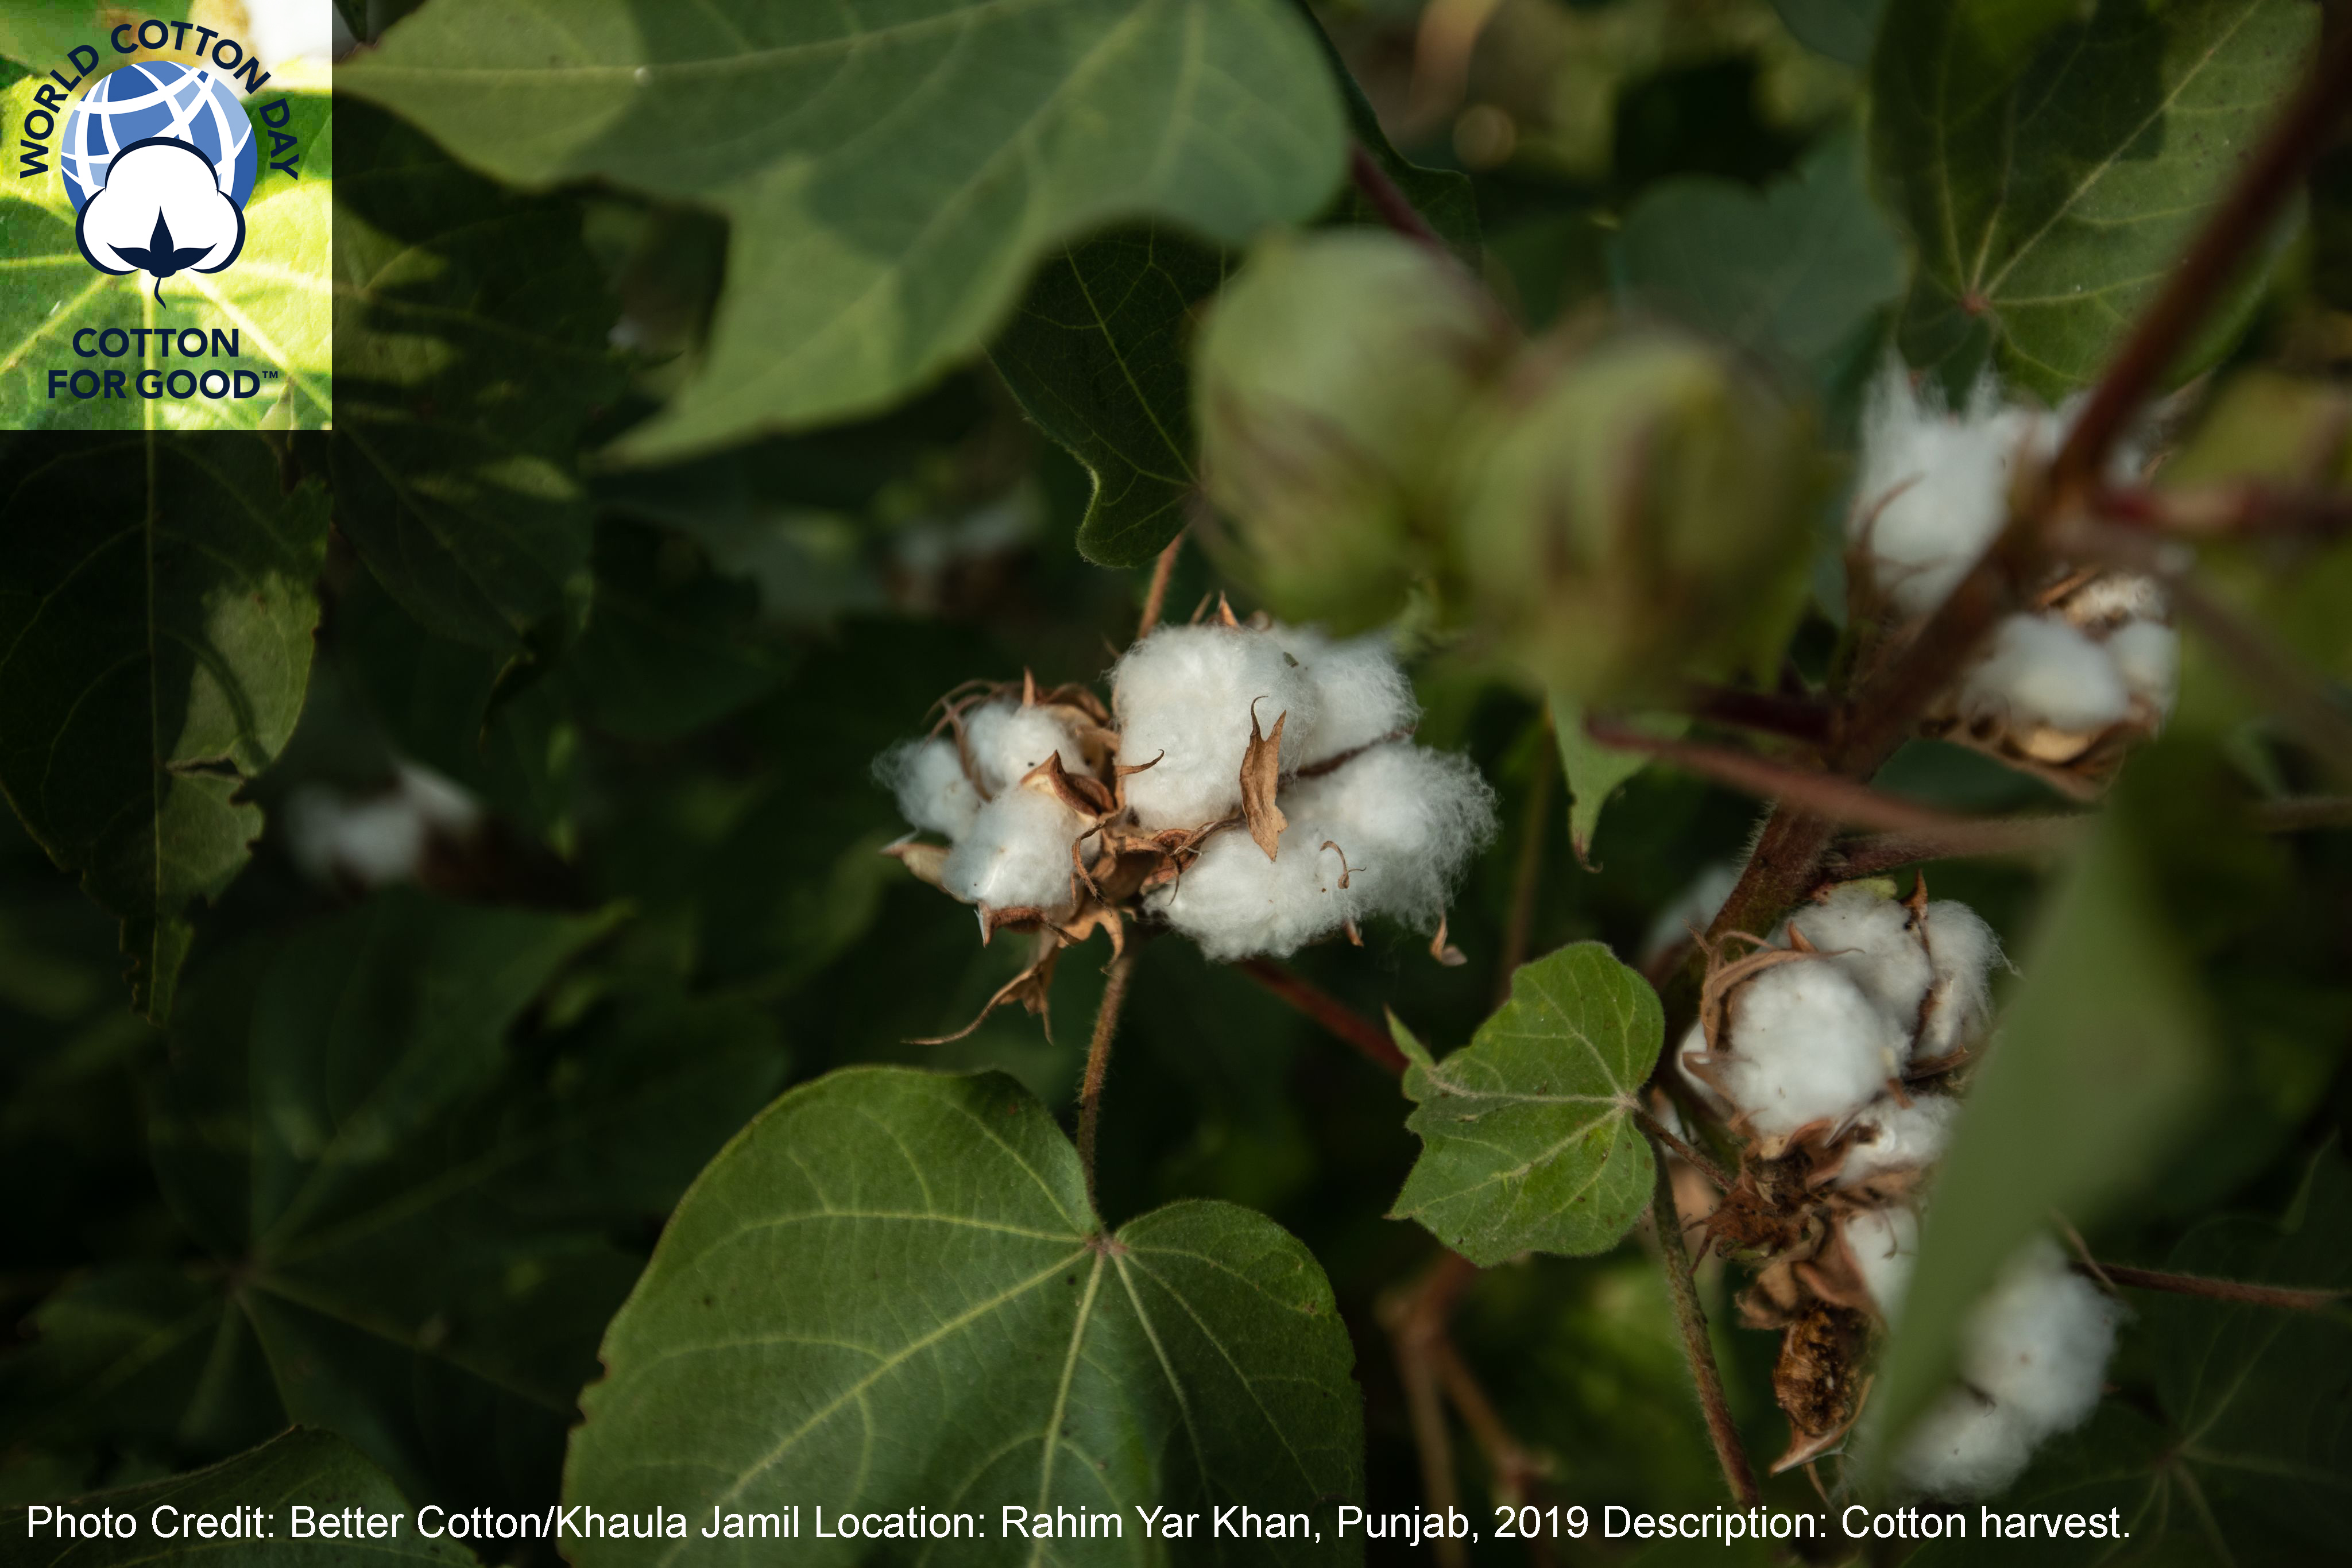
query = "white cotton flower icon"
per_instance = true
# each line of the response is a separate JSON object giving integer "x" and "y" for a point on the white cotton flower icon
{"x": 161, "y": 212}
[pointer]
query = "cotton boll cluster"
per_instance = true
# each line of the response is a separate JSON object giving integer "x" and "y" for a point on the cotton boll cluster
{"x": 2060, "y": 689}
{"x": 2032, "y": 1363}
{"x": 1016, "y": 853}
{"x": 1810, "y": 1042}
{"x": 934, "y": 793}
{"x": 374, "y": 839}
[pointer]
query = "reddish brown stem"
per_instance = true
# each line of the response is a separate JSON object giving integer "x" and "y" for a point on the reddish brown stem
{"x": 1155, "y": 598}
{"x": 1689, "y": 1154}
{"x": 2287, "y": 1297}
{"x": 2242, "y": 222}
{"x": 1416, "y": 1319}
{"x": 1823, "y": 794}
{"x": 1389, "y": 200}
{"x": 1090, "y": 1091}
{"x": 2299, "y": 815}
{"x": 2225, "y": 511}
{"x": 1773, "y": 713}
{"x": 1329, "y": 1010}
{"x": 1698, "y": 1349}
{"x": 2005, "y": 836}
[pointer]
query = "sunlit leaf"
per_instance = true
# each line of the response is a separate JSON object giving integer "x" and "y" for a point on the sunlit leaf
{"x": 1527, "y": 1132}
{"x": 890, "y": 1292}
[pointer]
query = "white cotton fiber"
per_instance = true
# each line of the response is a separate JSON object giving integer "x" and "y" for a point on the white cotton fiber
{"x": 1183, "y": 694}
{"x": 1963, "y": 950}
{"x": 2146, "y": 656}
{"x": 1885, "y": 1243}
{"x": 1406, "y": 820}
{"x": 1007, "y": 739}
{"x": 1891, "y": 1136}
{"x": 927, "y": 778}
{"x": 1869, "y": 936}
{"x": 1016, "y": 853}
{"x": 2038, "y": 670}
{"x": 1933, "y": 487}
{"x": 1362, "y": 694}
{"x": 1805, "y": 1044}
{"x": 377, "y": 839}
{"x": 2031, "y": 1365}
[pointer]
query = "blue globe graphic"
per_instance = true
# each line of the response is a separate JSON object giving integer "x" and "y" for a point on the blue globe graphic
{"x": 158, "y": 98}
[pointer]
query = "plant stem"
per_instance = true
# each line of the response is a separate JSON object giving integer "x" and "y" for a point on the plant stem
{"x": 1090, "y": 1092}
{"x": 2289, "y": 1297}
{"x": 1389, "y": 200}
{"x": 1415, "y": 1317}
{"x": 1688, "y": 1154}
{"x": 1535, "y": 825}
{"x": 1773, "y": 713}
{"x": 1697, "y": 1348}
{"x": 1329, "y": 1010}
{"x": 1155, "y": 598}
{"x": 2000, "y": 836}
{"x": 1823, "y": 794}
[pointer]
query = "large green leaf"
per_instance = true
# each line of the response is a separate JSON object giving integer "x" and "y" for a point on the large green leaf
{"x": 891, "y": 1292}
{"x": 470, "y": 328}
{"x": 1792, "y": 272}
{"x": 2242, "y": 1453}
{"x": 1595, "y": 772}
{"x": 2051, "y": 165}
{"x": 2100, "y": 1057}
{"x": 156, "y": 606}
{"x": 315, "y": 1470}
{"x": 272, "y": 304}
{"x": 892, "y": 176}
{"x": 1527, "y": 1131}
{"x": 412, "y": 1207}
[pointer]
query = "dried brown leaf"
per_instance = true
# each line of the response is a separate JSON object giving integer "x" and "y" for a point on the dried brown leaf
{"x": 1261, "y": 772}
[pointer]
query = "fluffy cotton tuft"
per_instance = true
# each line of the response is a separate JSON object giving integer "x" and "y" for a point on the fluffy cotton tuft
{"x": 1361, "y": 696}
{"x": 1963, "y": 951}
{"x": 1406, "y": 821}
{"x": 1891, "y": 1136}
{"x": 1016, "y": 853}
{"x": 1885, "y": 1243}
{"x": 2031, "y": 1366}
{"x": 927, "y": 778}
{"x": 1934, "y": 487}
{"x": 1803, "y": 1043}
{"x": 1184, "y": 695}
{"x": 1870, "y": 936}
{"x": 1007, "y": 739}
{"x": 2146, "y": 655}
{"x": 2040, "y": 671}
{"x": 377, "y": 839}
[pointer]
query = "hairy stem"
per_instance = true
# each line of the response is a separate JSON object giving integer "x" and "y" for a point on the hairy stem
{"x": 2003, "y": 836}
{"x": 1697, "y": 1347}
{"x": 1689, "y": 1154}
{"x": 1329, "y": 1010}
{"x": 2289, "y": 1297}
{"x": 1090, "y": 1092}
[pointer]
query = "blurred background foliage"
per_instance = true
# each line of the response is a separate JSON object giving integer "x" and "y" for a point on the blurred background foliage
{"x": 664, "y": 687}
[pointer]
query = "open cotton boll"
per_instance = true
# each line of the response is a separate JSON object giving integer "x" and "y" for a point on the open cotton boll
{"x": 1361, "y": 695}
{"x": 1869, "y": 936}
{"x": 1007, "y": 739}
{"x": 1885, "y": 1243}
{"x": 377, "y": 839}
{"x": 1016, "y": 854}
{"x": 1237, "y": 903}
{"x": 928, "y": 778}
{"x": 1805, "y": 1044}
{"x": 2040, "y": 671}
{"x": 1183, "y": 694}
{"x": 1890, "y": 1136}
{"x": 2039, "y": 1344}
{"x": 1408, "y": 820}
{"x": 1964, "y": 1447}
{"x": 1933, "y": 487}
{"x": 1963, "y": 949}
{"x": 2146, "y": 655}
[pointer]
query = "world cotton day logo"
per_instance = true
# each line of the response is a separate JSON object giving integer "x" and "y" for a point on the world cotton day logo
{"x": 155, "y": 163}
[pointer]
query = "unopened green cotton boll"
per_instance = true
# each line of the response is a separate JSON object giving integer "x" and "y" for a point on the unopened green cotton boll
{"x": 1331, "y": 375}
{"x": 1630, "y": 511}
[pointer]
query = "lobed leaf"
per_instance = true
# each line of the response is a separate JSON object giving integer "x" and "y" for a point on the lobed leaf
{"x": 1527, "y": 1132}
{"x": 892, "y": 178}
{"x": 889, "y": 1293}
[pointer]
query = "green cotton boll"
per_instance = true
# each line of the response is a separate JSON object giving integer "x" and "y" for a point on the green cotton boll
{"x": 1632, "y": 511}
{"x": 1331, "y": 375}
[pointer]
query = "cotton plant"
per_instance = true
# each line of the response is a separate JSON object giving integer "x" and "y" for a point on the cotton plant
{"x": 2061, "y": 688}
{"x": 1252, "y": 785}
{"x": 1836, "y": 1054}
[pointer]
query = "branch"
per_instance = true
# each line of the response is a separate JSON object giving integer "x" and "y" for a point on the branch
{"x": 1114, "y": 997}
{"x": 1415, "y": 1317}
{"x": 1999, "y": 836}
{"x": 2289, "y": 1297}
{"x": 1689, "y": 1155}
{"x": 1773, "y": 713}
{"x": 2242, "y": 222}
{"x": 2226, "y": 511}
{"x": 1667, "y": 1221}
{"x": 2294, "y": 816}
{"x": 1329, "y": 1010}
{"x": 1389, "y": 200}
{"x": 1822, "y": 794}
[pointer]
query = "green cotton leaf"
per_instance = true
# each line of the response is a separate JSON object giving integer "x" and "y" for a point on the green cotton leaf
{"x": 886, "y": 220}
{"x": 314, "y": 1469}
{"x": 39, "y": 34}
{"x": 891, "y": 1292}
{"x": 1528, "y": 1134}
{"x": 2241, "y": 1455}
{"x": 2053, "y": 164}
{"x": 156, "y": 609}
{"x": 409, "y": 1203}
{"x": 2101, "y": 1057}
{"x": 1096, "y": 355}
{"x": 1792, "y": 272}
{"x": 1595, "y": 772}
{"x": 470, "y": 330}
{"x": 1842, "y": 29}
